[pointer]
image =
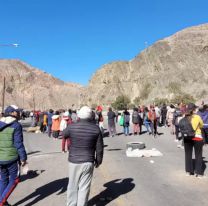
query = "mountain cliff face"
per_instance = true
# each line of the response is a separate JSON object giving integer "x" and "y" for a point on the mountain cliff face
{"x": 177, "y": 64}
{"x": 31, "y": 88}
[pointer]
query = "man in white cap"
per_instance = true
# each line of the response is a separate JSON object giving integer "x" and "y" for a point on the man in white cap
{"x": 86, "y": 151}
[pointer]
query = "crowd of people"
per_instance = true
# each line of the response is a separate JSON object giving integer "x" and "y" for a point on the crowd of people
{"x": 82, "y": 136}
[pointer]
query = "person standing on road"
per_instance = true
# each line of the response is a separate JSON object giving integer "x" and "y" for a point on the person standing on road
{"x": 135, "y": 121}
{"x": 153, "y": 120}
{"x": 126, "y": 122}
{"x": 85, "y": 153}
{"x": 65, "y": 121}
{"x": 111, "y": 122}
{"x": 12, "y": 152}
{"x": 190, "y": 127}
{"x": 147, "y": 121}
{"x": 49, "y": 123}
{"x": 56, "y": 120}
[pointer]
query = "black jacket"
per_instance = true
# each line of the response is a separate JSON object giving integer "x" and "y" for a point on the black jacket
{"x": 111, "y": 118}
{"x": 86, "y": 142}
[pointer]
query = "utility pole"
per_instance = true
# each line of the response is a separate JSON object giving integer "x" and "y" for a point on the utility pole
{"x": 3, "y": 94}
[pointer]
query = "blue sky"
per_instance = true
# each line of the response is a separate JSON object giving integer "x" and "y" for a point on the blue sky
{"x": 71, "y": 39}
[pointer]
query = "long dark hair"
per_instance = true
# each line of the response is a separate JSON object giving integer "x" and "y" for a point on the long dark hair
{"x": 188, "y": 114}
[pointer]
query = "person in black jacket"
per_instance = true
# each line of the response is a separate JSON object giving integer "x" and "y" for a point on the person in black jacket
{"x": 111, "y": 122}
{"x": 85, "y": 152}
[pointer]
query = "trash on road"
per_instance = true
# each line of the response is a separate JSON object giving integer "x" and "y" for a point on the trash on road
{"x": 143, "y": 153}
{"x": 33, "y": 129}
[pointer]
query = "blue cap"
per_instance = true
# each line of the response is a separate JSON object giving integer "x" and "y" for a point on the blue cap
{"x": 11, "y": 108}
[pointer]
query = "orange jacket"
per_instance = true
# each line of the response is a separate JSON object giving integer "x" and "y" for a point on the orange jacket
{"x": 56, "y": 124}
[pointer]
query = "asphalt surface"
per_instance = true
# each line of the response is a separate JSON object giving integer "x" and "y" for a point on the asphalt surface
{"x": 119, "y": 181}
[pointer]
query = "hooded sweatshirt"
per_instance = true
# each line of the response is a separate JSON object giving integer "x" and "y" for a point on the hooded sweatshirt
{"x": 11, "y": 141}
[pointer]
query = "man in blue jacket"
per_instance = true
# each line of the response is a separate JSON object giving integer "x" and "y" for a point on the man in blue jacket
{"x": 12, "y": 152}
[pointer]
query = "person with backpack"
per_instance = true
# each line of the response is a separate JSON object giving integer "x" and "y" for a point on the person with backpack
{"x": 136, "y": 121}
{"x": 126, "y": 122}
{"x": 203, "y": 113}
{"x": 190, "y": 127}
{"x": 177, "y": 116}
{"x": 12, "y": 152}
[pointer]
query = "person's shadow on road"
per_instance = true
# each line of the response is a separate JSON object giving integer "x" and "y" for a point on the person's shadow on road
{"x": 44, "y": 191}
{"x": 113, "y": 190}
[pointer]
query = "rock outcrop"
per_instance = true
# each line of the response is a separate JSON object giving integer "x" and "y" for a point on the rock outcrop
{"x": 177, "y": 64}
{"x": 31, "y": 88}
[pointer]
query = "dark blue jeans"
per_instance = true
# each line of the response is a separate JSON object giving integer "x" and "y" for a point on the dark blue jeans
{"x": 9, "y": 179}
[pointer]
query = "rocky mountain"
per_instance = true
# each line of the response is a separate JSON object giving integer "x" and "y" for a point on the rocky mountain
{"x": 32, "y": 88}
{"x": 177, "y": 64}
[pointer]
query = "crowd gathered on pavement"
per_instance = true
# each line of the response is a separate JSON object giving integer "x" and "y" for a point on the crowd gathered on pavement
{"x": 82, "y": 132}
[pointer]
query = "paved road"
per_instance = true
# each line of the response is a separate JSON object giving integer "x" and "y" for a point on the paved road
{"x": 120, "y": 181}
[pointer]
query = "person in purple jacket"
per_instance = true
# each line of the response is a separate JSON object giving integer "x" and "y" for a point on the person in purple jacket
{"x": 203, "y": 113}
{"x": 12, "y": 152}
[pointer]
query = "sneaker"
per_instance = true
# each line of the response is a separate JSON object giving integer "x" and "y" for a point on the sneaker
{"x": 176, "y": 140}
{"x": 200, "y": 176}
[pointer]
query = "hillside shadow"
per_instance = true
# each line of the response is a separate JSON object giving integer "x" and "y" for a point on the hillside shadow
{"x": 113, "y": 190}
{"x": 44, "y": 191}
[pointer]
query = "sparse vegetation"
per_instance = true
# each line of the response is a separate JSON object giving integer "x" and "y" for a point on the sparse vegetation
{"x": 160, "y": 101}
{"x": 121, "y": 102}
{"x": 145, "y": 91}
{"x": 174, "y": 88}
{"x": 137, "y": 101}
{"x": 184, "y": 97}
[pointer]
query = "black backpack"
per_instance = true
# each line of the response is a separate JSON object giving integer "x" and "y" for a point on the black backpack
{"x": 186, "y": 128}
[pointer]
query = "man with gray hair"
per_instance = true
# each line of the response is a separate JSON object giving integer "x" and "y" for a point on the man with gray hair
{"x": 85, "y": 152}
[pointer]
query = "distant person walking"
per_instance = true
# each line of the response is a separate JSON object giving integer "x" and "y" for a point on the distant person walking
{"x": 86, "y": 152}
{"x": 12, "y": 152}
{"x": 49, "y": 123}
{"x": 111, "y": 122}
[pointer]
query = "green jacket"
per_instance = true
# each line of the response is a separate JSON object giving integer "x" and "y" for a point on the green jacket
{"x": 8, "y": 152}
